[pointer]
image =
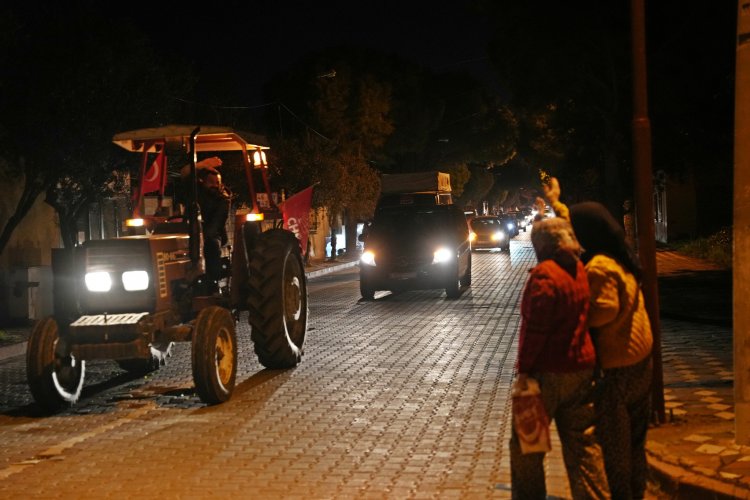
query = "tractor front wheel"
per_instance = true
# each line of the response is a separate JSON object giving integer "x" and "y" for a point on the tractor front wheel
{"x": 214, "y": 354}
{"x": 55, "y": 380}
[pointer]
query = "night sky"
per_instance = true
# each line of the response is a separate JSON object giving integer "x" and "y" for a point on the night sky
{"x": 272, "y": 36}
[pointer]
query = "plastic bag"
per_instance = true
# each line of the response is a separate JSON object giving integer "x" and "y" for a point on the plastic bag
{"x": 530, "y": 420}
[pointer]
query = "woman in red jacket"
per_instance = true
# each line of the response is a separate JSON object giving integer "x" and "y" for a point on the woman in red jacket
{"x": 555, "y": 349}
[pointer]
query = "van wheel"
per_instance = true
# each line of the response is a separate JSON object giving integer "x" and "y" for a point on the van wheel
{"x": 367, "y": 292}
{"x": 214, "y": 354}
{"x": 453, "y": 289}
{"x": 55, "y": 381}
{"x": 277, "y": 299}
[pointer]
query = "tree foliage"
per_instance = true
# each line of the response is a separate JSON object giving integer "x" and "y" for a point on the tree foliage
{"x": 568, "y": 69}
{"x": 478, "y": 187}
{"x": 569, "y": 78}
{"x": 381, "y": 114}
{"x": 341, "y": 122}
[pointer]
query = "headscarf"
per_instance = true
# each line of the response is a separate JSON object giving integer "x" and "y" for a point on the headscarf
{"x": 599, "y": 233}
{"x": 553, "y": 238}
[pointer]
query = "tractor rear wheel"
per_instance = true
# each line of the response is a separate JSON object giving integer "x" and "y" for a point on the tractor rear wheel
{"x": 55, "y": 381}
{"x": 214, "y": 354}
{"x": 277, "y": 299}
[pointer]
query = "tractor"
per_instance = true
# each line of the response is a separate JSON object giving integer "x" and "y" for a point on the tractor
{"x": 131, "y": 297}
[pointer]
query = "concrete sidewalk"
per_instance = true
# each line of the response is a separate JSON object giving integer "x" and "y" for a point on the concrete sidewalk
{"x": 693, "y": 454}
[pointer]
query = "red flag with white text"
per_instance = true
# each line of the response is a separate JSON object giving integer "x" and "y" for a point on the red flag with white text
{"x": 296, "y": 212}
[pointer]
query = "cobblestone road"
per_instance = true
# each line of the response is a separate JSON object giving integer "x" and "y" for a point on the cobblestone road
{"x": 403, "y": 397}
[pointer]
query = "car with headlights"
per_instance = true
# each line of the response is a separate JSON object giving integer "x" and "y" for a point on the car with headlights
{"x": 489, "y": 232}
{"x": 511, "y": 224}
{"x": 522, "y": 221}
{"x": 415, "y": 244}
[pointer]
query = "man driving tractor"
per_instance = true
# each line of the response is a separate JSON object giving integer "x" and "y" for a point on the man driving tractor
{"x": 214, "y": 201}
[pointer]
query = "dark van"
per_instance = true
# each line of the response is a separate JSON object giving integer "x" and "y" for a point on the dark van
{"x": 415, "y": 244}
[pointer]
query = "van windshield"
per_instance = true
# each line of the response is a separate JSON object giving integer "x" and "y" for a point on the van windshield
{"x": 408, "y": 222}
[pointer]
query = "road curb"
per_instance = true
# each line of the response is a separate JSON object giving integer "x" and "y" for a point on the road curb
{"x": 330, "y": 269}
{"x": 677, "y": 482}
{"x": 12, "y": 350}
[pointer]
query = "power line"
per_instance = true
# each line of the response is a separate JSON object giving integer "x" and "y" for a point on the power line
{"x": 257, "y": 106}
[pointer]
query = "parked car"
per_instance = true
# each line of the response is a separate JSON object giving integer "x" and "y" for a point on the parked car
{"x": 488, "y": 232}
{"x": 414, "y": 246}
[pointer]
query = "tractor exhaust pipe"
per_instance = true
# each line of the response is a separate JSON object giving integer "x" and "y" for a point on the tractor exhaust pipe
{"x": 194, "y": 211}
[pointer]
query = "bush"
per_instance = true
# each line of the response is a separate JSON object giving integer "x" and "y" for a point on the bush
{"x": 716, "y": 248}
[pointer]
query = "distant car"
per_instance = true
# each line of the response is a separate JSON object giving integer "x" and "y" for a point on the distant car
{"x": 487, "y": 232}
{"x": 511, "y": 224}
{"x": 414, "y": 246}
{"x": 521, "y": 220}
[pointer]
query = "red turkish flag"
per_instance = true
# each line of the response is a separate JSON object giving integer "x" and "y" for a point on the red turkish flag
{"x": 296, "y": 212}
{"x": 154, "y": 179}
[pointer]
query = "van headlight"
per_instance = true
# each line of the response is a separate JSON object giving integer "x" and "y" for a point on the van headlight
{"x": 368, "y": 258}
{"x": 498, "y": 236}
{"x": 442, "y": 255}
{"x": 135, "y": 280}
{"x": 98, "y": 281}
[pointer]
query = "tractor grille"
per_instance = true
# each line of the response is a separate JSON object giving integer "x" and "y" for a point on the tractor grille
{"x": 109, "y": 319}
{"x": 116, "y": 256}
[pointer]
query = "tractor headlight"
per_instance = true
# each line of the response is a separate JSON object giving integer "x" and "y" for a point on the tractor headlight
{"x": 498, "y": 236}
{"x": 442, "y": 255}
{"x": 99, "y": 281}
{"x": 135, "y": 280}
{"x": 368, "y": 258}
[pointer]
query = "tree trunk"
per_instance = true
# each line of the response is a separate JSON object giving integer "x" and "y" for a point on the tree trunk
{"x": 67, "y": 214}
{"x": 350, "y": 232}
{"x": 32, "y": 190}
{"x": 68, "y": 230}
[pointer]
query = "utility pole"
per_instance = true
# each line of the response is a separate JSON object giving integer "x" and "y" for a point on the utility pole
{"x": 741, "y": 270}
{"x": 644, "y": 202}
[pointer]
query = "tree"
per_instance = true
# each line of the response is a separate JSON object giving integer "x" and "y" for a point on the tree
{"x": 340, "y": 125}
{"x": 567, "y": 69}
{"x": 478, "y": 187}
{"x": 369, "y": 113}
{"x": 78, "y": 77}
